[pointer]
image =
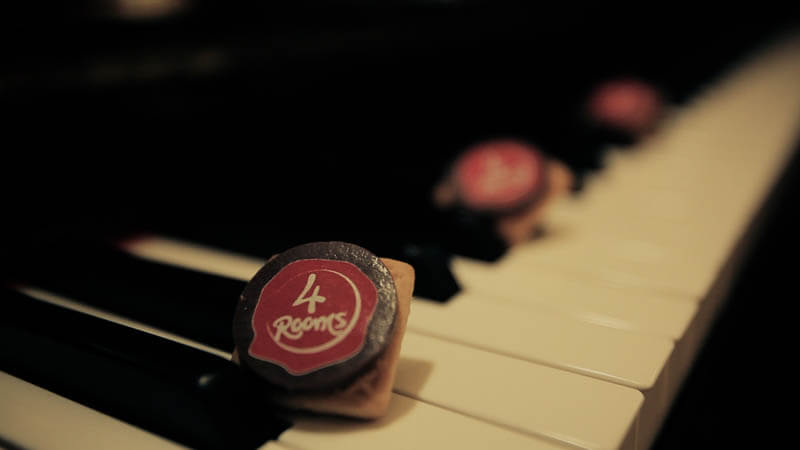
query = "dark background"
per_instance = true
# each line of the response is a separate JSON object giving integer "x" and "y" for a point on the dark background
{"x": 207, "y": 114}
{"x": 288, "y": 118}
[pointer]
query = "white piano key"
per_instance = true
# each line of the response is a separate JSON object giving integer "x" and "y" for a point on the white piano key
{"x": 275, "y": 445}
{"x": 194, "y": 256}
{"x": 533, "y": 399}
{"x": 409, "y": 424}
{"x": 623, "y": 263}
{"x": 678, "y": 258}
{"x": 534, "y": 287}
{"x": 619, "y": 356}
{"x": 641, "y": 205}
{"x": 31, "y": 417}
{"x": 684, "y": 202}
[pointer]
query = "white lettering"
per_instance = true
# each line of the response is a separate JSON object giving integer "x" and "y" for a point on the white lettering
{"x": 315, "y": 297}
{"x": 294, "y": 327}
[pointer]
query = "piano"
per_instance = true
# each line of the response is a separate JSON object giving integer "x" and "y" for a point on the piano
{"x": 582, "y": 337}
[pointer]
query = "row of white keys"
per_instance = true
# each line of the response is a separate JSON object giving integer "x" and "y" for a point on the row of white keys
{"x": 655, "y": 227}
{"x": 628, "y": 358}
{"x": 433, "y": 424}
{"x": 668, "y": 214}
{"x": 603, "y": 302}
{"x": 498, "y": 384}
{"x": 408, "y": 424}
{"x": 544, "y": 337}
{"x": 570, "y": 408}
{"x": 32, "y": 417}
{"x": 614, "y": 237}
{"x": 643, "y": 246}
{"x": 633, "y": 238}
{"x": 540, "y": 336}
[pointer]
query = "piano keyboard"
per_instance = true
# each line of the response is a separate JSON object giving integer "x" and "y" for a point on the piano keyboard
{"x": 579, "y": 339}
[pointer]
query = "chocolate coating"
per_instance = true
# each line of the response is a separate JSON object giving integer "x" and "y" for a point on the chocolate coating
{"x": 379, "y": 330}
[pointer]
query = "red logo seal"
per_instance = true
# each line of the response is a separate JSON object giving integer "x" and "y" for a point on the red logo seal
{"x": 629, "y": 104}
{"x": 498, "y": 175}
{"x": 312, "y": 314}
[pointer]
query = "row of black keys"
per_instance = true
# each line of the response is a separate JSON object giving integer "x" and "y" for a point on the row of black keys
{"x": 192, "y": 397}
{"x": 176, "y": 391}
{"x": 184, "y": 394}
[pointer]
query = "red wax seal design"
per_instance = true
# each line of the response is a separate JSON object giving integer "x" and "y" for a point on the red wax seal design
{"x": 499, "y": 175}
{"x": 316, "y": 316}
{"x": 312, "y": 314}
{"x": 628, "y": 104}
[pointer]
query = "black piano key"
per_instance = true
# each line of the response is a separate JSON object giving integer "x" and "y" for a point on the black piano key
{"x": 186, "y": 395}
{"x": 421, "y": 249}
{"x": 8, "y": 445}
{"x": 192, "y": 304}
{"x": 188, "y": 303}
{"x": 471, "y": 235}
{"x": 433, "y": 279}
